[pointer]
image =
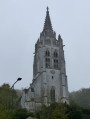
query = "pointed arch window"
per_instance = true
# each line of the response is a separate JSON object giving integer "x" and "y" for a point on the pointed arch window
{"x": 47, "y": 62}
{"x": 52, "y": 93}
{"x": 55, "y": 54}
{"x": 47, "y": 59}
{"x": 55, "y": 60}
{"x": 47, "y": 53}
{"x": 55, "y": 63}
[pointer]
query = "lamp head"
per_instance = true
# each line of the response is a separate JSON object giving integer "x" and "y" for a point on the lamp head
{"x": 19, "y": 79}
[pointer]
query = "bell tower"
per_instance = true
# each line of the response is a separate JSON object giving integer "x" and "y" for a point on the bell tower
{"x": 49, "y": 66}
{"x": 49, "y": 82}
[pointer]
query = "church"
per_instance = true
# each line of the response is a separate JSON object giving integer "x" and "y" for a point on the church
{"x": 49, "y": 82}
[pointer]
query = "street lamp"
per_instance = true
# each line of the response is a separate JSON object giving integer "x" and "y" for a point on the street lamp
{"x": 12, "y": 94}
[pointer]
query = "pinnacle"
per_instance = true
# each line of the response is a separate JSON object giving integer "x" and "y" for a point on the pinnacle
{"x": 47, "y": 8}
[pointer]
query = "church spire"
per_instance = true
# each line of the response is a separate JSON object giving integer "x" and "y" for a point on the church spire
{"x": 47, "y": 24}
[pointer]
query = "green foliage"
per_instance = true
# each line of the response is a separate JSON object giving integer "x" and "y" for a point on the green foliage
{"x": 85, "y": 116}
{"x": 17, "y": 114}
{"x": 6, "y": 97}
{"x": 5, "y": 104}
{"x": 54, "y": 111}
{"x": 86, "y": 112}
{"x": 20, "y": 114}
{"x": 75, "y": 112}
{"x": 1, "y": 107}
{"x": 81, "y": 97}
{"x": 6, "y": 85}
{"x": 57, "y": 114}
{"x": 63, "y": 111}
{"x": 5, "y": 114}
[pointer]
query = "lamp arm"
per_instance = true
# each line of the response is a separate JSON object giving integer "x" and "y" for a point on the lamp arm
{"x": 13, "y": 85}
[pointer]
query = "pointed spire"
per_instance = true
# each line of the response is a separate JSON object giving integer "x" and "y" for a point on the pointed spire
{"x": 47, "y": 24}
{"x": 47, "y": 8}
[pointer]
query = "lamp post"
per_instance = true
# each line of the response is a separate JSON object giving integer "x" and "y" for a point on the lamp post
{"x": 12, "y": 94}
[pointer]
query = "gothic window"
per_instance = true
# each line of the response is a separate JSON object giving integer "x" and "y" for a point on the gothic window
{"x": 47, "y": 62}
{"x": 47, "y": 59}
{"x": 32, "y": 89}
{"x": 47, "y": 53}
{"x": 55, "y": 60}
{"x": 55, "y": 54}
{"x": 52, "y": 93}
{"x": 55, "y": 63}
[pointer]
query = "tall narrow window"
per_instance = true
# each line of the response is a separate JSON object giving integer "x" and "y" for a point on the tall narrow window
{"x": 47, "y": 62}
{"x": 47, "y": 53}
{"x": 52, "y": 93}
{"x": 55, "y": 60}
{"x": 55, "y": 63}
{"x": 55, "y": 54}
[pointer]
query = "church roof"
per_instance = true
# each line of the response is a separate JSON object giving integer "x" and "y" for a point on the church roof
{"x": 47, "y": 24}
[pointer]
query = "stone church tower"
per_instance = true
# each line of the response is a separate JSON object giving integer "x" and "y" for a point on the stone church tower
{"x": 49, "y": 83}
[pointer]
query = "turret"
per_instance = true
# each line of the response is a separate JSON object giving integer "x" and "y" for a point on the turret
{"x": 60, "y": 41}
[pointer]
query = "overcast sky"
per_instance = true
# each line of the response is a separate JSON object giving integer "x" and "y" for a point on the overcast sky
{"x": 21, "y": 22}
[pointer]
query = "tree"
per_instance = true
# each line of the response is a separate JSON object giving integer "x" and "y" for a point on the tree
{"x": 6, "y": 96}
{"x": 58, "y": 114}
{"x": 6, "y": 85}
{"x": 54, "y": 111}
{"x": 81, "y": 97}
{"x": 75, "y": 112}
